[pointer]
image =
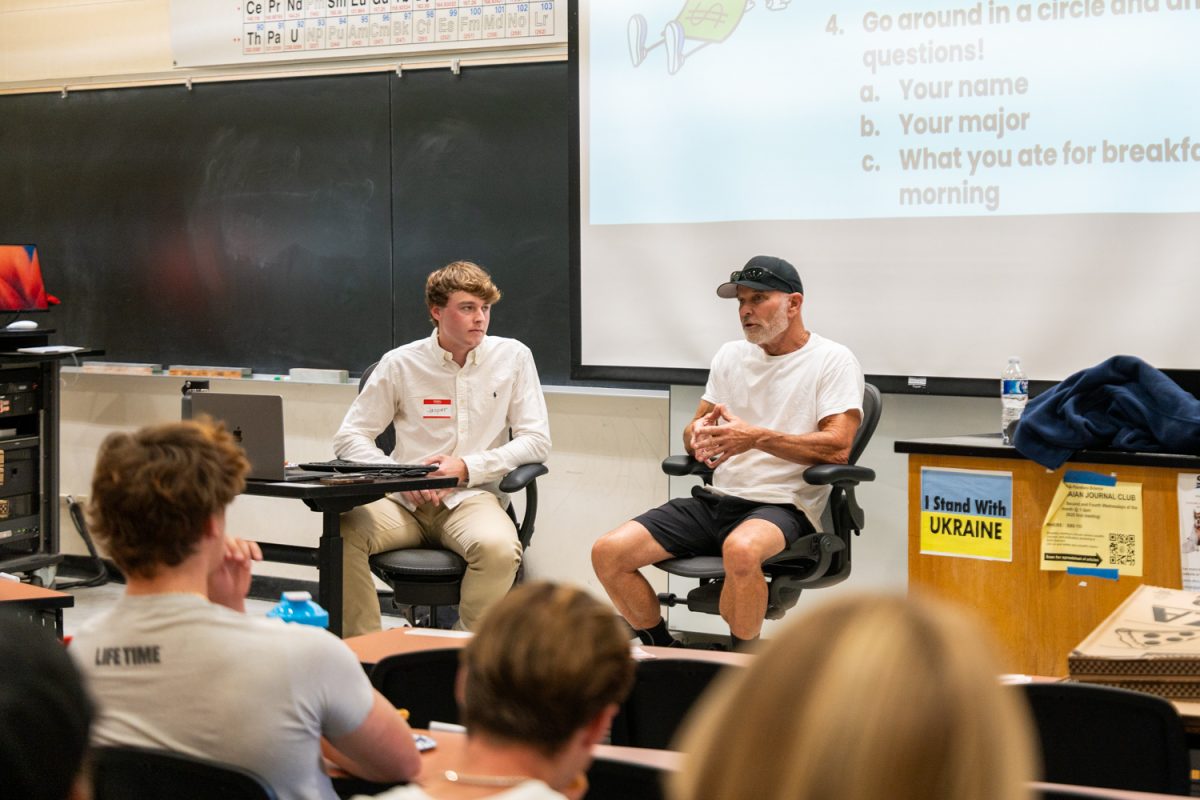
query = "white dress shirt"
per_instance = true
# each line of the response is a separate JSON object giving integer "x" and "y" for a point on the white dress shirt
{"x": 441, "y": 408}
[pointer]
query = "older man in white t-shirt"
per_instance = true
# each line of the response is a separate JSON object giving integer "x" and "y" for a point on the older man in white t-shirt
{"x": 778, "y": 402}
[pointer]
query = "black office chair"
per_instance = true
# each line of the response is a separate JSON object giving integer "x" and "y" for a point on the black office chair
{"x": 1101, "y": 736}
{"x": 663, "y": 693}
{"x": 813, "y": 561}
{"x": 424, "y": 577}
{"x": 134, "y": 773}
{"x": 613, "y": 779}
{"x": 421, "y": 682}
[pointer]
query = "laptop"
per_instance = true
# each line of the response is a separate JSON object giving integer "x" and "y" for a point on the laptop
{"x": 256, "y": 421}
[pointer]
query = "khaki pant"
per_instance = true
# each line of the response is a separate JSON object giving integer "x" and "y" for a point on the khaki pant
{"x": 478, "y": 529}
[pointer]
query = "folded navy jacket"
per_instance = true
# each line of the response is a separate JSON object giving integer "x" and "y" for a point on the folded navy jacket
{"x": 1120, "y": 404}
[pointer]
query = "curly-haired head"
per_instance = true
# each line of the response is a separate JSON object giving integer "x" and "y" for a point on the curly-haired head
{"x": 545, "y": 662}
{"x": 460, "y": 276}
{"x": 154, "y": 491}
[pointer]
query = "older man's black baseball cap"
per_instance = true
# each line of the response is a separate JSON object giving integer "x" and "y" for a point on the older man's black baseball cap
{"x": 766, "y": 273}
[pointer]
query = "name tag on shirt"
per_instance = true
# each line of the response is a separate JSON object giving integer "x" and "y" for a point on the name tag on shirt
{"x": 438, "y": 408}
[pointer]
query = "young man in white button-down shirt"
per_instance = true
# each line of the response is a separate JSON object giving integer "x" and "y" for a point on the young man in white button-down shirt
{"x": 454, "y": 398}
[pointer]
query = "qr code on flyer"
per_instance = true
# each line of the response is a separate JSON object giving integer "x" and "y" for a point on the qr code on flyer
{"x": 1121, "y": 549}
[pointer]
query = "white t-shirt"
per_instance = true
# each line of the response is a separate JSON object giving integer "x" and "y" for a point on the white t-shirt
{"x": 529, "y": 790}
{"x": 790, "y": 394}
{"x": 176, "y": 672}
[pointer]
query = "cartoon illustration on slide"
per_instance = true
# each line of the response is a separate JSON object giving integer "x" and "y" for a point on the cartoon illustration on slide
{"x": 704, "y": 21}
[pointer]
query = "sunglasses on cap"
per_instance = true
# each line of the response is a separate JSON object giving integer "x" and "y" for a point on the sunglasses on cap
{"x": 752, "y": 274}
{"x": 757, "y": 274}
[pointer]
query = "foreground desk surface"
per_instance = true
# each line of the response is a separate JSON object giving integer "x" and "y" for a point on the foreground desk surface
{"x": 331, "y": 501}
{"x": 45, "y": 605}
{"x": 1039, "y": 616}
{"x": 371, "y": 648}
{"x": 448, "y": 755}
{"x": 450, "y": 746}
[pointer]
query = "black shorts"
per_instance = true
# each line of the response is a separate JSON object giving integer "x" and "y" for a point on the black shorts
{"x": 698, "y": 525}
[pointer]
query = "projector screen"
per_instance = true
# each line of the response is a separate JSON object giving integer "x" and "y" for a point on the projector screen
{"x": 955, "y": 182}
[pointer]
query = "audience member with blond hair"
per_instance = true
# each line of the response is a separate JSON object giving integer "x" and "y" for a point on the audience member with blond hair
{"x": 538, "y": 687}
{"x": 176, "y": 665}
{"x": 865, "y": 698}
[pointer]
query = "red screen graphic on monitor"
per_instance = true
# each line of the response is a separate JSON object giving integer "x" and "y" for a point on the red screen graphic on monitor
{"x": 21, "y": 287}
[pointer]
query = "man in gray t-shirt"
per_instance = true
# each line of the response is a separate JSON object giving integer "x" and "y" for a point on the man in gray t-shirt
{"x": 177, "y": 665}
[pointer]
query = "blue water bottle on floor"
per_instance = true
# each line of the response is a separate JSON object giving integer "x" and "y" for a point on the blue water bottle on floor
{"x": 299, "y": 607}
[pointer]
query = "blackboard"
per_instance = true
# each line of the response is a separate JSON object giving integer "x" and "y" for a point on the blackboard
{"x": 291, "y": 222}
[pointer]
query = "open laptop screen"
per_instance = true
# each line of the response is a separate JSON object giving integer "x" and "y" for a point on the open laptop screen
{"x": 255, "y": 420}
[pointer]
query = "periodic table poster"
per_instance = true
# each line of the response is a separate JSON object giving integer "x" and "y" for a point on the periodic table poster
{"x": 220, "y": 32}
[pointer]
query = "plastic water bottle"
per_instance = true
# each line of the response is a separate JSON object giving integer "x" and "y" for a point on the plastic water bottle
{"x": 1014, "y": 391}
{"x": 299, "y": 607}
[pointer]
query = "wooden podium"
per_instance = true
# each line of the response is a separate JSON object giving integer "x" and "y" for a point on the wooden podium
{"x": 1037, "y": 616}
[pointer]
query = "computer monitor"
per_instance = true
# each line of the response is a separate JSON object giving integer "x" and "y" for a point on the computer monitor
{"x": 21, "y": 287}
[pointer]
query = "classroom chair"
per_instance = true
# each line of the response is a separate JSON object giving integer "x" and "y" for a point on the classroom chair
{"x": 813, "y": 561}
{"x": 613, "y": 779}
{"x": 421, "y": 682}
{"x": 664, "y": 691}
{"x": 432, "y": 578}
{"x": 1094, "y": 735}
{"x": 133, "y": 773}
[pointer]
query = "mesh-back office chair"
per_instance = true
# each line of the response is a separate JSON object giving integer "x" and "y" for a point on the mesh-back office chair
{"x": 433, "y": 578}
{"x": 819, "y": 559}
{"x": 1101, "y": 736}
{"x": 664, "y": 691}
{"x": 421, "y": 682}
{"x": 134, "y": 773}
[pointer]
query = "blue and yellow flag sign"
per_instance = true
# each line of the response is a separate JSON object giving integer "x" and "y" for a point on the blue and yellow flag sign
{"x": 966, "y": 513}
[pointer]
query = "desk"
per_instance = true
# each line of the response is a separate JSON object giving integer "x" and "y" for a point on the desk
{"x": 1039, "y": 617}
{"x": 1061, "y": 790}
{"x": 43, "y": 604}
{"x": 450, "y": 745}
{"x": 331, "y": 501}
{"x": 371, "y": 648}
{"x": 449, "y": 755}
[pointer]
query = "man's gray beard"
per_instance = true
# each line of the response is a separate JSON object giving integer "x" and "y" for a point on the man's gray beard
{"x": 773, "y": 328}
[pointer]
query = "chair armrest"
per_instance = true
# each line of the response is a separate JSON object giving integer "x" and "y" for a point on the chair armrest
{"x": 838, "y": 474}
{"x": 521, "y": 477}
{"x": 682, "y": 465}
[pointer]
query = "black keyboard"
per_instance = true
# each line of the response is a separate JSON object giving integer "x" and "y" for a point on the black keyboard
{"x": 397, "y": 470}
